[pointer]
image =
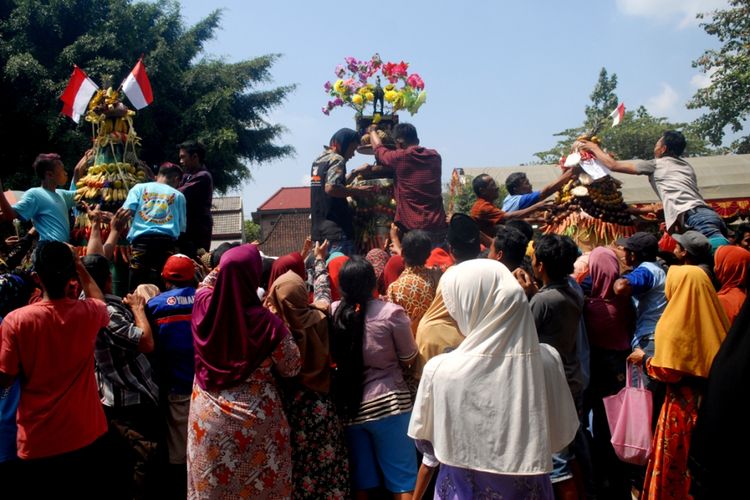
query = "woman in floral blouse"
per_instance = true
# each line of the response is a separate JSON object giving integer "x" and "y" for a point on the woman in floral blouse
{"x": 238, "y": 436}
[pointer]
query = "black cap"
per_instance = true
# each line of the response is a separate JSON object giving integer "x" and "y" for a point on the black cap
{"x": 463, "y": 234}
{"x": 641, "y": 242}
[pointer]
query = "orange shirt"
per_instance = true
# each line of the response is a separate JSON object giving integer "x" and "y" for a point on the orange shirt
{"x": 49, "y": 345}
{"x": 487, "y": 216}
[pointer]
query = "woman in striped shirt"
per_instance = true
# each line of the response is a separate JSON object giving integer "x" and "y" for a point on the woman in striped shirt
{"x": 371, "y": 344}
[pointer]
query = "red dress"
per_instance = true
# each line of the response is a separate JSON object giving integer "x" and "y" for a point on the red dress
{"x": 667, "y": 475}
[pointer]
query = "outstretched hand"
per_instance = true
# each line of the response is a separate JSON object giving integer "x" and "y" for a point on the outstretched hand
{"x": 321, "y": 250}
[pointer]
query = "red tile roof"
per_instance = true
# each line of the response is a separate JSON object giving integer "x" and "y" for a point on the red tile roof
{"x": 288, "y": 198}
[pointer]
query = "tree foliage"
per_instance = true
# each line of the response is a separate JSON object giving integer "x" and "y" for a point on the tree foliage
{"x": 252, "y": 231}
{"x": 224, "y": 105}
{"x": 727, "y": 97}
{"x": 633, "y": 138}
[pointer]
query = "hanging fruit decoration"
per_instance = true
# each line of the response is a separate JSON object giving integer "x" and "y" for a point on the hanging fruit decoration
{"x": 116, "y": 167}
{"x": 591, "y": 211}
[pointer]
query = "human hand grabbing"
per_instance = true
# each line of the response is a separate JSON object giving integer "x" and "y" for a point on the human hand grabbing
{"x": 134, "y": 301}
{"x": 321, "y": 250}
{"x": 526, "y": 281}
{"x": 636, "y": 357}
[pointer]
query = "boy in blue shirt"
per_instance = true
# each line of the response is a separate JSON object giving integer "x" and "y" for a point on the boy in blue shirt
{"x": 171, "y": 313}
{"x": 46, "y": 206}
{"x": 158, "y": 217}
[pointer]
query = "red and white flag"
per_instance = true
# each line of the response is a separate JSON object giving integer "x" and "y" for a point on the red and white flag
{"x": 137, "y": 87}
{"x": 617, "y": 114}
{"x": 77, "y": 94}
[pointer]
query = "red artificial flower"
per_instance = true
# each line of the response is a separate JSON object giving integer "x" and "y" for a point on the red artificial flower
{"x": 415, "y": 81}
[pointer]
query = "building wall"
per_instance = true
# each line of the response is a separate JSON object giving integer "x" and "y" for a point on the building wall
{"x": 283, "y": 233}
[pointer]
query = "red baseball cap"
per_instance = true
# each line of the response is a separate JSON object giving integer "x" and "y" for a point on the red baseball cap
{"x": 179, "y": 268}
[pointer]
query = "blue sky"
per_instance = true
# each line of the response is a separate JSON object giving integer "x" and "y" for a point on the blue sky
{"x": 501, "y": 77}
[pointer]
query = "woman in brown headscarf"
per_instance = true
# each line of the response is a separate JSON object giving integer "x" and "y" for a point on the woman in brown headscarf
{"x": 731, "y": 270}
{"x": 319, "y": 457}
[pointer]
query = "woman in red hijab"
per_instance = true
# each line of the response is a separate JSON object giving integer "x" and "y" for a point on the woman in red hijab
{"x": 731, "y": 263}
{"x": 291, "y": 262}
{"x": 238, "y": 436}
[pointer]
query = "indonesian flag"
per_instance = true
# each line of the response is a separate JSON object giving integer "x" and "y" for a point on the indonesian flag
{"x": 137, "y": 87}
{"x": 77, "y": 94}
{"x": 617, "y": 114}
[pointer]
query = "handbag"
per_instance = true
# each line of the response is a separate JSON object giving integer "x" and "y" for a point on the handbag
{"x": 629, "y": 414}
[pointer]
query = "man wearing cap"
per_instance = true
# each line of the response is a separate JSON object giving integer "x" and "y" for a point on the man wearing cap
{"x": 644, "y": 283}
{"x": 694, "y": 249}
{"x": 127, "y": 389}
{"x": 674, "y": 181}
{"x": 170, "y": 313}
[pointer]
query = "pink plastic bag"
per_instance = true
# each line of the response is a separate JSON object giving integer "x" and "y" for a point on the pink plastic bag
{"x": 629, "y": 416}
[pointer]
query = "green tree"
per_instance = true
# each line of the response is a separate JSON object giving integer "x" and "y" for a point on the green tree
{"x": 221, "y": 104}
{"x": 603, "y": 100}
{"x": 633, "y": 138}
{"x": 726, "y": 97}
{"x": 252, "y": 231}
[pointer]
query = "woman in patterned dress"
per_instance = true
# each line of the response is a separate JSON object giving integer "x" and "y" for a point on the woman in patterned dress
{"x": 238, "y": 436}
{"x": 687, "y": 337}
{"x": 320, "y": 468}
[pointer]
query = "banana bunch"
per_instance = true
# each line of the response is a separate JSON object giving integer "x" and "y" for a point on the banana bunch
{"x": 108, "y": 183}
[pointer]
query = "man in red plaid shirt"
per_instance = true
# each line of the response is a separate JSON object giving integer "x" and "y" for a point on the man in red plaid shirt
{"x": 417, "y": 178}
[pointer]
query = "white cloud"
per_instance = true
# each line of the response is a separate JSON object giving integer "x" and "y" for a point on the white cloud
{"x": 664, "y": 102}
{"x": 666, "y": 10}
{"x": 703, "y": 80}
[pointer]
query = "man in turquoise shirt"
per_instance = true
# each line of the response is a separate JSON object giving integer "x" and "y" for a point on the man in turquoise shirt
{"x": 46, "y": 206}
{"x": 158, "y": 217}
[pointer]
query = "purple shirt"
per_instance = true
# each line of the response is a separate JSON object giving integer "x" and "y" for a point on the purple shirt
{"x": 198, "y": 189}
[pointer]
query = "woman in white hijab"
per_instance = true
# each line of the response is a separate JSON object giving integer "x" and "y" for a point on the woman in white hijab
{"x": 492, "y": 412}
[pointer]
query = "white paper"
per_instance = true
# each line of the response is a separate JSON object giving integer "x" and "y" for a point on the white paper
{"x": 594, "y": 168}
{"x": 573, "y": 159}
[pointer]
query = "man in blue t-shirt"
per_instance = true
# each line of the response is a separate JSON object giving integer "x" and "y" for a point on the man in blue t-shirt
{"x": 521, "y": 195}
{"x": 170, "y": 313}
{"x": 46, "y": 206}
{"x": 158, "y": 217}
{"x": 645, "y": 284}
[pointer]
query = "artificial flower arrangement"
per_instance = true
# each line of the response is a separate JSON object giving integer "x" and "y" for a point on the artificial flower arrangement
{"x": 355, "y": 88}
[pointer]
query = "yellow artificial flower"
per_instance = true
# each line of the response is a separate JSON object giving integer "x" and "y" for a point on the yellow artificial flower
{"x": 390, "y": 86}
{"x": 391, "y": 95}
{"x": 370, "y": 96}
{"x": 362, "y": 91}
{"x": 357, "y": 99}
{"x": 339, "y": 86}
{"x": 376, "y": 118}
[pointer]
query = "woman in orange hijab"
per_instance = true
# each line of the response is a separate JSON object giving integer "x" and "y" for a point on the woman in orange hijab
{"x": 731, "y": 263}
{"x": 688, "y": 336}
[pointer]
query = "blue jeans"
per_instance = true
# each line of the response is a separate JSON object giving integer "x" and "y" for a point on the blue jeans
{"x": 705, "y": 221}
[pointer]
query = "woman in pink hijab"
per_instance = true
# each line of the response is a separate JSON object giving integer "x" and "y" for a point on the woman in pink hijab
{"x": 238, "y": 436}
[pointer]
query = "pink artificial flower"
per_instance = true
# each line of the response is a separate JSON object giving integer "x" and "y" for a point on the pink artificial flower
{"x": 340, "y": 70}
{"x": 326, "y": 111}
{"x": 327, "y": 86}
{"x": 415, "y": 81}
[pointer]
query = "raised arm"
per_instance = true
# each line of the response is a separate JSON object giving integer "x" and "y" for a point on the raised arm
{"x": 90, "y": 289}
{"x": 137, "y": 304}
{"x": 554, "y": 186}
{"x": 623, "y": 167}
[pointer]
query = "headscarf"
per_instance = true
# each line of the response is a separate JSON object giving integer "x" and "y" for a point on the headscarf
{"x": 609, "y": 317}
{"x": 287, "y": 297}
{"x": 334, "y": 267}
{"x": 485, "y": 405}
{"x": 731, "y": 271}
{"x": 437, "y": 332}
{"x": 693, "y": 325}
{"x": 439, "y": 259}
{"x": 393, "y": 270}
{"x": 721, "y": 427}
{"x": 378, "y": 258}
{"x": 232, "y": 332}
{"x": 291, "y": 262}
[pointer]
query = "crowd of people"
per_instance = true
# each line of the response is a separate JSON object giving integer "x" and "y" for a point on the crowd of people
{"x": 467, "y": 358}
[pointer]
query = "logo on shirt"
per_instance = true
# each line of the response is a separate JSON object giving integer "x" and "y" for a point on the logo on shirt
{"x": 183, "y": 301}
{"x": 155, "y": 207}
